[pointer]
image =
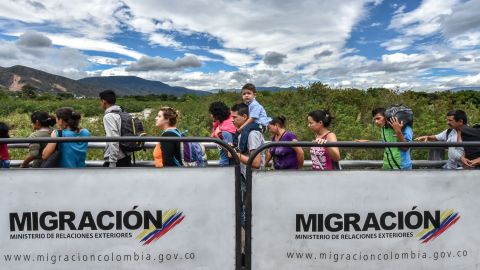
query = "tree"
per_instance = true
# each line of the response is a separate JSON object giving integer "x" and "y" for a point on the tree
{"x": 29, "y": 91}
{"x": 65, "y": 95}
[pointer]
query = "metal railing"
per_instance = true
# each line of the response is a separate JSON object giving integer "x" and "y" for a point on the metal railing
{"x": 435, "y": 156}
{"x": 376, "y": 145}
{"x": 21, "y": 142}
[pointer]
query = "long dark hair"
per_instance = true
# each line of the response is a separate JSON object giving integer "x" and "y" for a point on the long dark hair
{"x": 321, "y": 115}
{"x": 4, "y": 130}
{"x": 45, "y": 119}
{"x": 279, "y": 120}
{"x": 71, "y": 117}
{"x": 219, "y": 110}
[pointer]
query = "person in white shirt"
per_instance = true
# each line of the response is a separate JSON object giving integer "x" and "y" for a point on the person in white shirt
{"x": 456, "y": 119}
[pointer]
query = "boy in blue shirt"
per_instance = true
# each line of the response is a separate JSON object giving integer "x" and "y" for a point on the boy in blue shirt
{"x": 258, "y": 119}
{"x": 256, "y": 112}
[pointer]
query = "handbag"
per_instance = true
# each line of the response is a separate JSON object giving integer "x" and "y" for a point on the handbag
{"x": 53, "y": 161}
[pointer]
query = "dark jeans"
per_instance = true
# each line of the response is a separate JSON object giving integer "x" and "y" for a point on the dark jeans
{"x": 4, "y": 164}
{"x": 243, "y": 198}
{"x": 124, "y": 162}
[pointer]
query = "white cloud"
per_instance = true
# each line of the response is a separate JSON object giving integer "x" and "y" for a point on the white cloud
{"x": 456, "y": 20}
{"x": 399, "y": 58}
{"x": 472, "y": 80}
{"x": 398, "y": 43}
{"x": 234, "y": 58}
{"x": 466, "y": 40}
{"x": 163, "y": 64}
{"x": 92, "y": 19}
{"x": 269, "y": 26}
{"x": 102, "y": 60}
{"x": 424, "y": 20}
{"x": 61, "y": 61}
{"x": 164, "y": 40}
{"x": 82, "y": 43}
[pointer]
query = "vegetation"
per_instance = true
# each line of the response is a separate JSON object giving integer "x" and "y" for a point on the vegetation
{"x": 350, "y": 107}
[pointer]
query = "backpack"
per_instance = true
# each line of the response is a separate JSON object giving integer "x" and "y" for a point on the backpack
{"x": 448, "y": 132}
{"x": 193, "y": 153}
{"x": 130, "y": 126}
{"x": 403, "y": 113}
{"x": 471, "y": 134}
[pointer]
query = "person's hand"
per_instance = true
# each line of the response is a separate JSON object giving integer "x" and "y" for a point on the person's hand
{"x": 361, "y": 140}
{"x": 422, "y": 138}
{"x": 396, "y": 124}
{"x": 217, "y": 132}
{"x": 475, "y": 162}
{"x": 466, "y": 163}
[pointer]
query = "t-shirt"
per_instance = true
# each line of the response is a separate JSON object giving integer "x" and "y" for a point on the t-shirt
{"x": 255, "y": 140}
{"x": 35, "y": 149}
{"x": 395, "y": 157}
{"x": 284, "y": 157}
{"x": 257, "y": 112}
{"x": 73, "y": 154}
{"x": 454, "y": 153}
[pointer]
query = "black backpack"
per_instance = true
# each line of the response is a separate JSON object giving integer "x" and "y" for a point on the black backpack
{"x": 403, "y": 113}
{"x": 130, "y": 126}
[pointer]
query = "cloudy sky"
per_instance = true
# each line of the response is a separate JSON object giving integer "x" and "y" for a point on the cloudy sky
{"x": 419, "y": 45}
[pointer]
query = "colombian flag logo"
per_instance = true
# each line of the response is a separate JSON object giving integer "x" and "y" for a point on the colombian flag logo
{"x": 447, "y": 217}
{"x": 170, "y": 219}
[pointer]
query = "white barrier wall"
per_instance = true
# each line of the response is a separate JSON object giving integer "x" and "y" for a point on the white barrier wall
{"x": 366, "y": 220}
{"x": 117, "y": 219}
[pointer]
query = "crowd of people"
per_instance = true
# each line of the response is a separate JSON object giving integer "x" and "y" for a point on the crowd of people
{"x": 242, "y": 126}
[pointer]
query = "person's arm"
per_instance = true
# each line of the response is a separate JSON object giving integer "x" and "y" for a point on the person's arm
{"x": 112, "y": 129}
{"x": 429, "y": 138}
{"x": 334, "y": 152}
{"x": 300, "y": 155}
{"x": 475, "y": 162}
{"x": 397, "y": 128}
{"x": 216, "y": 133}
{"x": 50, "y": 148}
{"x": 256, "y": 162}
{"x": 249, "y": 120}
{"x": 27, "y": 161}
{"x": 268, "y": 157}
{"x": 466, "y": 163}
{"x": 254, "y": 111}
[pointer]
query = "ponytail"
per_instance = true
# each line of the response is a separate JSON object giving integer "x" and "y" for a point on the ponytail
{"x": 279, "y": 120}
{"x": 323, "y": 116}
{"x": 70, "y": 117}
{"x": 45, "y": 119}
